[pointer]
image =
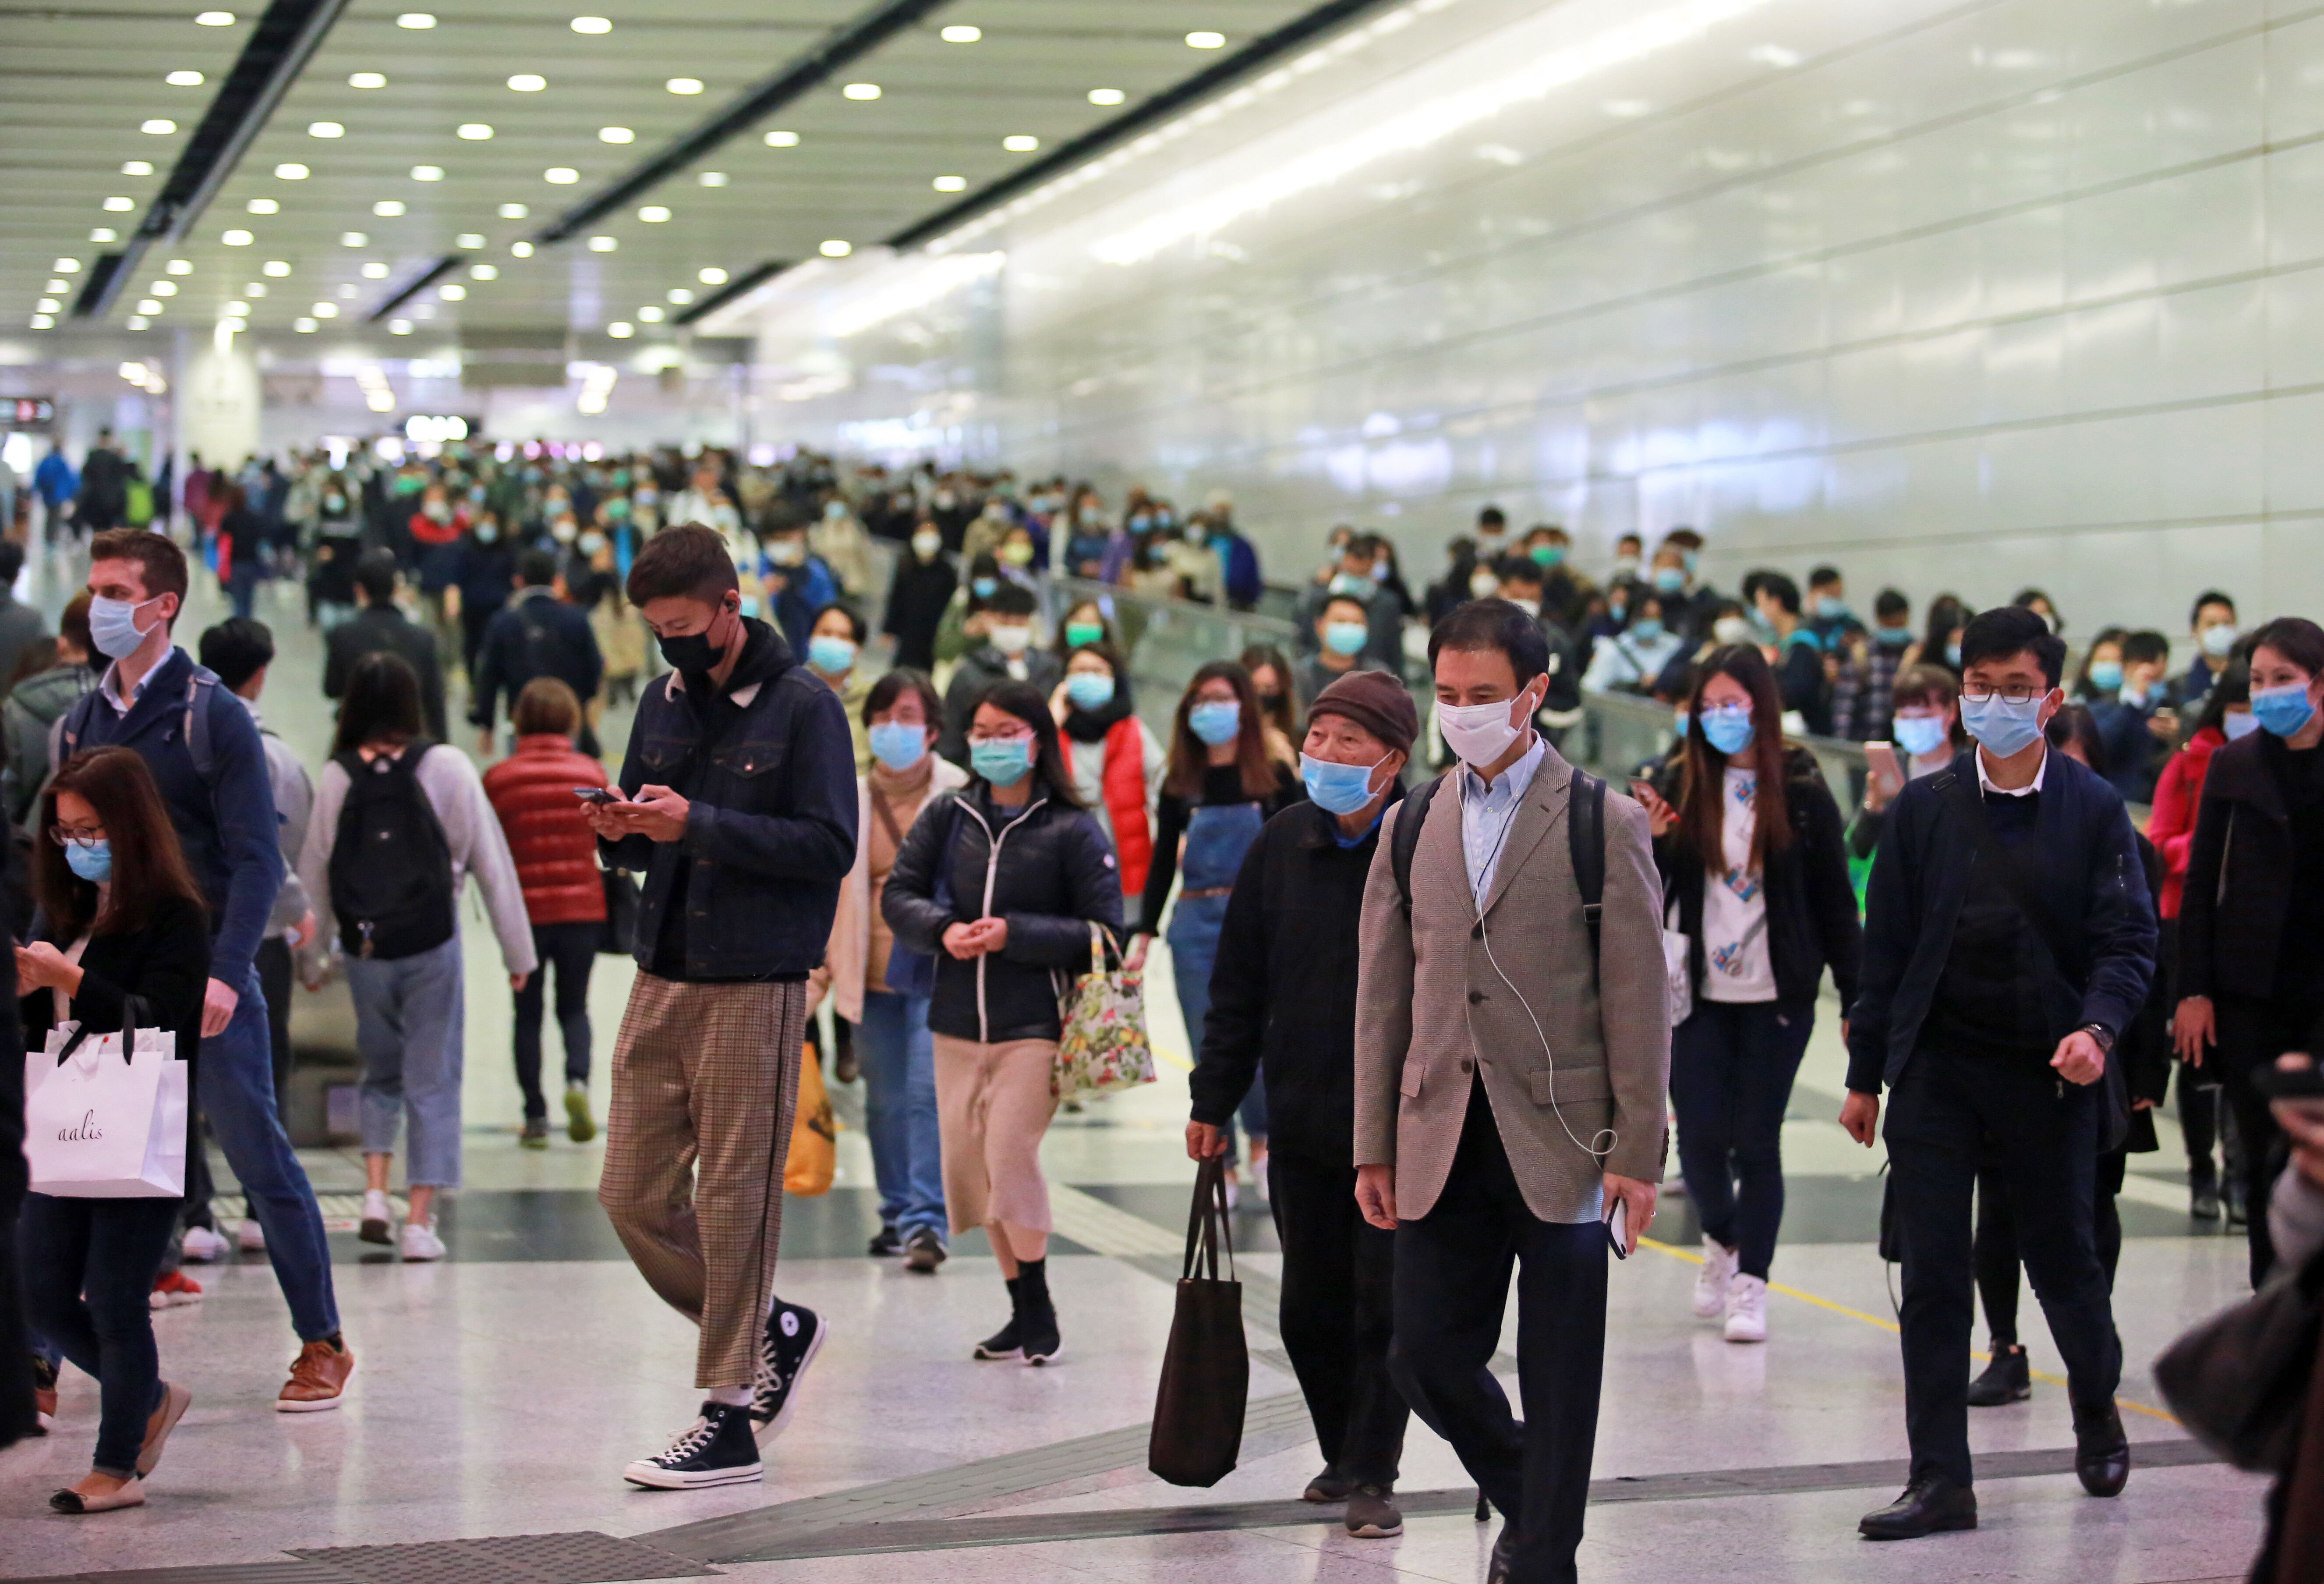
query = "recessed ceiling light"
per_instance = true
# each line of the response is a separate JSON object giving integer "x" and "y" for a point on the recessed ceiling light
{"x": 1203, "y": 38}
{"x": 653, "y": 214}
{"x": 563, "y": 175}
{"x": 387, "y": 209}
{"x": 782, "y": 140}
{"x": 353, "y": 240}
{"x": 325, "y": 311}
{"x": 711, "y": 179}
{"x": 292, "y": 171}
{"x": 42, "y": 322}
{"x": 348, "y": 292}
{"x": 951, "y": 183}
{"x": 176, "y": 267}
{"x": 213, "y": 19}
{"x": 603, "y": 244}
{"x": 375, "y": 271}
{"x": 137, "y": 321}
{"x": 324, "y": 129}
{"x": 650, "y": 314}
{"x": 66, "y": 266}
{"x": 184, "y": 79}
{"x": 711, "y": 277}
{"x": 262, "y": 206}
{"x": 1106, "y": 96}
{"x": 521, "y": 249}
{"x": 237, "y": 239}
{"x": 104, "y": 234}
{"x": 451, "y": 292}
{"x": 236, "y": 310}
{"x": 835, "y": 248}
{"x": 475, "y": 131}
{"x": 399, "y": 327}
{"x": 119, "y": 206}
{"x": 276, "y": 267}
{"x": 418, "y": 21}
{"x": 305, "y": 327}
{"x": 620, "y": 330}
{"x": 47, "y": 305}
{"x": 962, "y": 35}
{"x": 514, "y": 211}
{"x": 427, "y": 172}
{"x": 861, "y": 90}
{"x": 149, "y": 307}
{"x": 616, "y": 135}
{"x": 483, "y": 272}
{"x": 684, "y": 85}
{"x": 158, "y": 127}
{"x": 137, "y": 167}
{"x": 1021, "y": 143}
{"x": 592, "y": 25}
{"x": 255, "y": 289}
{"x": 679, "y": 295}
{"x": 528, "y": 82}
{"x": 61, "y": 286}
{"x": 367, "y": 80}
{"x": 469, "y": 239}
{"x": 159, "y": 288}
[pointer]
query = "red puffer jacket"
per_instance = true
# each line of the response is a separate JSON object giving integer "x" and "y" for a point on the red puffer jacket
{"x": 556, "y": 851}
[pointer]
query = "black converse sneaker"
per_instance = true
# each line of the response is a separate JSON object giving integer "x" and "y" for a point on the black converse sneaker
{"x": 1007, "y": 1342}
{"x": 794, "y": 1335}
{"x": 714, "y": 1450}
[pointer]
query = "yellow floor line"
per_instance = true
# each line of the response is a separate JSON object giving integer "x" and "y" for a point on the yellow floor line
{"x": 1890, "y": 1326}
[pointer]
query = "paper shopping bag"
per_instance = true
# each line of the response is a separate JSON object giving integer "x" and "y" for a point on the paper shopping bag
{"x": 102, "y": 1125}
{"x": 814, "y": 1158}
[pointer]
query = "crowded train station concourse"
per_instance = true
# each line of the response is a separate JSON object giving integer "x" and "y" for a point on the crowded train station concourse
{"x": 1490, "y": 791}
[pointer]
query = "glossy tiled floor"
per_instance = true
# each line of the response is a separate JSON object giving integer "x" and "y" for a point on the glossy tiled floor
{"x": 500, "y": 1392}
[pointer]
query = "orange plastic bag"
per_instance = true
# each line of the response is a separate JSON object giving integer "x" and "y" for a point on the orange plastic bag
{"x": 814, "y": 1158}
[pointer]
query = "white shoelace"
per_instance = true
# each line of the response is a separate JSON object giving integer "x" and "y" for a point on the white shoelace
{"x": 691, "y": 1441}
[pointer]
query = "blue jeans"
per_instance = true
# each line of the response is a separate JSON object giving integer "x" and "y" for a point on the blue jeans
{"x": 410, "y": 1019}
{"x": 898, "y": 1057}
{"x": 1730, "y": 1081}
{"x": 1193, "y": 938}
{"x": 89, "y": 1268}
{"x": 236, "y": 1078}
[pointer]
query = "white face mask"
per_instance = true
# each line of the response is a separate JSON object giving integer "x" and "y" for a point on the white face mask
{"x": 1480, "y": 733}
{"x": 1011, "y": 640}
{"x": 1731, "y": 630}
{"x": 1483, "y": 585}
{"x": 926, "y": 545}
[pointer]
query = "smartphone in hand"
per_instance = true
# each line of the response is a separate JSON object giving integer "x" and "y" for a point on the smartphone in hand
{"x": 1880, "y": 758}
{"x": 596, "y": 794}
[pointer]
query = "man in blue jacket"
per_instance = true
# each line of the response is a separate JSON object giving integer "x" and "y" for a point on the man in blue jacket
{"x": 2008, "y": 940}
{"x": 205, "y": 753}
{"x": 738, "y": 805}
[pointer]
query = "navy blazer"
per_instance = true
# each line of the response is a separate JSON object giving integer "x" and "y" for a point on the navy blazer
{"x": 2085, "y": 861}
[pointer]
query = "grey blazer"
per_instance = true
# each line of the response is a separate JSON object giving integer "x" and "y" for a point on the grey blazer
{"x": 1432, "y": 1008}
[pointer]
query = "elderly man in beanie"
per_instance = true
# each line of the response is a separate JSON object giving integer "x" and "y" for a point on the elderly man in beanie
{"x": 1284, "y": 997}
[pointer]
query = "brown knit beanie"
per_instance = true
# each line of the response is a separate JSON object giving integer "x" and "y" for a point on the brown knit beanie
{"x": 1375, "y": 701}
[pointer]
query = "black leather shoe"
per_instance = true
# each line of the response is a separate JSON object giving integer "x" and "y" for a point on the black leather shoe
{"x": 1930, "y": 1505}
{"x": 1502, "y": 1569}
{"x": 1331, "y": 1486}
{"x": 2101, "y": 1450}
{"x": 2009, "y": 1378}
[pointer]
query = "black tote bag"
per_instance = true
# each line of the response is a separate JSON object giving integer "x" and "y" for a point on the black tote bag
{"x": 1198, "y": 1407}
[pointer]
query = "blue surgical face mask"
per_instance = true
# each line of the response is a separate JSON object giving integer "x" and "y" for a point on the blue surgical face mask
{"x": 1345, "y": 637}
{"x": 1830, "y": 607}
{"x": 1669, "y": 579}
{"x": 1352, "y": 586}
{"x": 1920, "y": 735}
{"x": 831, "y": 656}
{"x": 899, "y": 744}
{"x": 2106, "y": 675}
{"x": 113, "y": 626}
{"x": 1952, "y": 653}
{"x": 1001, "y": 761}
{"x": 1891, "y": 637}
{"x": 1090, "y": 689}
{"x": 1646, "y": 627}
{"x": 93, "y": 863}
{"x": 2283, "y": 710}
{"x": 487, "y": 533}
{"x": 1337, "y": 789}
{"x": 1728, "y": 728}
{"x": 983, "y": 587}
{"x": 2242, "y": 723}
{"x": 2005, "y": 728}
{"x": 1216, "y": 721}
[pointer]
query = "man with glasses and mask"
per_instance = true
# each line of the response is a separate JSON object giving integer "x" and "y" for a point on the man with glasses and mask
{"x": 2008, "y": 939}
{"x": 738, "y": 805}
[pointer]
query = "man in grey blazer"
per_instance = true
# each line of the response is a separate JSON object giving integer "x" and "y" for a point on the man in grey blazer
{"x": 1509, "y": 1090}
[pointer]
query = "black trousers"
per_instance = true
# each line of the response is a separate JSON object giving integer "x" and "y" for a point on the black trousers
{"x": 1997, "y": 1241}
{"x": 1339, "y": 1294}
{"x": 1452, "y": 1269}
{"x": 1946, "y": 1114}
{"x": 2252, "y": 1035}
{"x": 572, "y": 950}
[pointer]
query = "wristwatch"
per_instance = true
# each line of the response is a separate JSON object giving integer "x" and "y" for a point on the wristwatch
{"x": 2102, "y": 1034}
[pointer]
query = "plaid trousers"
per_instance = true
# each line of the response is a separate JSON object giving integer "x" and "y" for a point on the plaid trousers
{"x": 705, "y": 1079}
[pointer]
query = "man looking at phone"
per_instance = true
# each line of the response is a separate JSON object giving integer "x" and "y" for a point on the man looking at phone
{"x": 2008, "y": 940}
{"x": 738, "y": 805}
{"x": 1511, "y": 1070}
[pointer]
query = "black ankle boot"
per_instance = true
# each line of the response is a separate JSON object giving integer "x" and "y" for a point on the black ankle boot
{"x": 1037, "y": 1316}
{"x": 1008, "y": 1341}
{"x": 2009, "y": 1378}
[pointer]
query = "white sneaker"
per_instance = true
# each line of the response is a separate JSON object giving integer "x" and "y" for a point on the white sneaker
{"x": 420, "y": 1242}
{"x": 1711, "y": 1281}
{"x": 378, "y": 1218}
{"x": 250, "y": 1236}
{"x": 1747, "y": 1310}
{"x": 202, "y": 1246}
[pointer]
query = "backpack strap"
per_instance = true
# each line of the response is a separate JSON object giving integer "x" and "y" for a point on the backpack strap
{"x": 1405, "y": 840}
{"x": 1585, "y": 832}
{"x": 200, "y": 685}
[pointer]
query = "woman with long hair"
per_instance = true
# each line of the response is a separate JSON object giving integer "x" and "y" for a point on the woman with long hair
{"x": 1229, "y": 772}
{"x": 1112, "y": 756}
{"x": 120, "y": 916}
{"x": 1754, "y": 874}
{"x": 386, "y": 777}
{"x": 1026, "y": 873}
{"x": 1270, "y": 679}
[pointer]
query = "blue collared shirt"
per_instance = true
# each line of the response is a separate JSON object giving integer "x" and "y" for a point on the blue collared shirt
{"x": 1486, "y": 813}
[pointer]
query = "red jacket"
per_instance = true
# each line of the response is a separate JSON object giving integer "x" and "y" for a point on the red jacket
{"x": 556, "y": 851}
{"x": 2171, "y": 827}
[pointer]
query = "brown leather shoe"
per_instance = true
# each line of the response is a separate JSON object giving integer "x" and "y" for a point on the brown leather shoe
{"x": 318, "y": 1378}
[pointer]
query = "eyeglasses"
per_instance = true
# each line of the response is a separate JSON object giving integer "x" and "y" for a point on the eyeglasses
{"x": 2017, "y": 693}
{"x": 63, "y": 837}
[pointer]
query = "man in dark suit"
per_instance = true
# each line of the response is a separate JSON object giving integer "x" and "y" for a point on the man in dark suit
{"x": 378, "y": 624}
{"x": 537, "y": 634}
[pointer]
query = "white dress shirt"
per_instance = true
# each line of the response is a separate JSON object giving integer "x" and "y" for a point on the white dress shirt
{"x": 1486, "y": 812}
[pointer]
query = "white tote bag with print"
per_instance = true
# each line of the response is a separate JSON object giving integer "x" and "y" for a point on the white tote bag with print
{"x": 98, "y": 1126}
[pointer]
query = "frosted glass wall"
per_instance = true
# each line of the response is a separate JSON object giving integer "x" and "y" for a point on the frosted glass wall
{"x": 1959, "y": 296}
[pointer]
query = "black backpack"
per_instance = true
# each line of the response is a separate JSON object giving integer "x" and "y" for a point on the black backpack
{"x": 545, "y": 650}
{"x": 390, "y": 863}
{"x": 1585, "y": 834}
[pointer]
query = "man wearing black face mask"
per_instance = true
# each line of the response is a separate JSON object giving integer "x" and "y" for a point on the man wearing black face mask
{"x": 738, "y": 805}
